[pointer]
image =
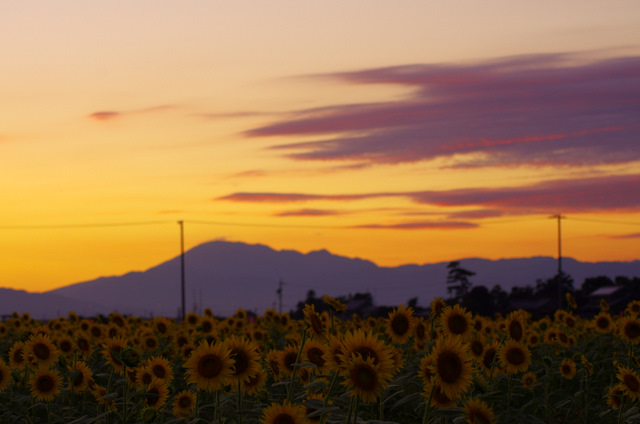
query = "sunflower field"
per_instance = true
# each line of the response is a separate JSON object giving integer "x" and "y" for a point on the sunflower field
{"x": 445, "y": 367}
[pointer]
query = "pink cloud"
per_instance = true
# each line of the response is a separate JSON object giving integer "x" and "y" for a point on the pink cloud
{"x": 626, "y": 236}
{"x": 292, "y": 197}
{"x": 104, "y": 115}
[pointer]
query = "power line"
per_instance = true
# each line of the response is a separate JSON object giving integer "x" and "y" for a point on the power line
{"x": 94, "y": 225}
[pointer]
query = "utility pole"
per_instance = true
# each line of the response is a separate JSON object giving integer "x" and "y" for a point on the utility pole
{"x": 559, "y": 218}
{"x": 559, "y": 276}
{"x": 181, "y": 223}
{"x": 279, "y": 291}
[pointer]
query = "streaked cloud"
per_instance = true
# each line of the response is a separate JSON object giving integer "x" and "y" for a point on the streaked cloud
{"x": 626, "y": 236}
{"x": 309, "y": 212}
{"x": 421, "y": 225}
{"x": 619, "y": 193}
{"x": 547, "y": 109}
{"x": 105, "y": 115}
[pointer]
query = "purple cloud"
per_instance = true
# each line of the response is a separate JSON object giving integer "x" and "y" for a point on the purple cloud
{"x": 620, "y": 193}
{"x": 557, "y": 109}
{"x": 626, "y": 236}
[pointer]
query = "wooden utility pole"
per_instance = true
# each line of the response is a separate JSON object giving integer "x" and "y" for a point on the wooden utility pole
{"x": 181, "y": 223}
{"x": 560, "y": 275}
{"x": 279, "y": 291}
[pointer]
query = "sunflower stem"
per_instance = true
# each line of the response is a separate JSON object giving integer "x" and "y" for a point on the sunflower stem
{"x": 293, "y": 373}
{"x": 427, "y": 410}
{"x": 218, "y": 417}
{"x": 509, "y": 395}
{"x": 239, "y": 403}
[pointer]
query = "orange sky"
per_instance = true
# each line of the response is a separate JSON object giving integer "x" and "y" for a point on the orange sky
{"x": 400, "y": 132}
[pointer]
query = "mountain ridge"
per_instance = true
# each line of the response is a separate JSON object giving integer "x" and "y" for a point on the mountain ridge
{"x": 226, "y": 275}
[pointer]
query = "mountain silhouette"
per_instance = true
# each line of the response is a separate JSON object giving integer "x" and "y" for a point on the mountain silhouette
{"x": 225, "y": 276}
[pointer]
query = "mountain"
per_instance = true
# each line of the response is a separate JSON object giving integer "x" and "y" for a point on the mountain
{"x": 44, "y": 305}
{"x": 226, "y": 275}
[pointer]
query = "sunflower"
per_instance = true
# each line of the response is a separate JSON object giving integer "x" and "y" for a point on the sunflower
{"x": 284, "y": 413}
{"x": 45, "y": 384}
{"x": 437, "y": 304}
{"x": 144, "y": 376}
{"x": 603, "y": 323}
{"x": 476, "y": 347}
{"x": 149, "y": 341}
{"x": 515, "y": 326}
{"x": 629, "y": 329}
{"x": 162, "y": 326}
{"x": 615, "y": 396}
{"x": 631, "y": 382}
{"x": 80, "y": 376}
{"x": 633, "y": 308}
{"x": 366, "y": 379}
{"x": 433, "y": 393}
{"x": 156, "y": 393}
{"x": 315, "y": 353}
{"x": 184, "y": 404}
{"x": 571, "y": 301}
{"x": 5, "y": 375}
{"x": 488, "y": 361}
{"x": 112, "y": 349}
{"x": 207, "y": 325}
{"x": 210, "y": 366}
{"x": 245, "y": 356}
{"x": 42, "y": 350}
{"x": 314, "y": 322}
{"x": 529, "y": 380}
{"x": 84, "y": 345}
{"x": 366, "y": 345}
{"x": 17, "y": 356}
{"x": 514, "y": 357}
{"x": 568, "y": 369}
{"x": 455, "y": 321}
{"x": 192, "y": 319}
{"x": 286, "y": 359}
{"x": 334, "y": 304}
{"x": 400, "y": 324}
{"x": 478, "y": 412}
{"x": 425, "y": 370}
{"x": 66, "y": 345}
{"x": 160, "y": 368}
{"x": 452, "y": 366}
{"x": 252, "y": 384}
{"x": 604, "y": 306}
{"x": 533, "y": 339}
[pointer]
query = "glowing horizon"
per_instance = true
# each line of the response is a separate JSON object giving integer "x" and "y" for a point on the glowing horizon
{"x": 425, "y": 133}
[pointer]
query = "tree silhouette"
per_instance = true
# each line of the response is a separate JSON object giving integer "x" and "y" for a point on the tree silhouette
{"x": 458, "y": 281}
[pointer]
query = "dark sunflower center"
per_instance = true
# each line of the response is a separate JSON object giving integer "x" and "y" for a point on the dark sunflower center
{"x": 284, "y": 419}
{"x": 83, "y": 344}
{"x": 315, "y": 356}
{"x": 632, "y": 330}
{"x": 366, "y": 353}
{"x": 78, "y": 380}
{"x": 316, "y": 324}
{"x": 364, "y": 377}
{"x": 489, "y": 356}
{"x": 184, "y": 402}
{"x": 242, "y": 360}
{"x": 566, "y": 369}
{"x": 449, "y": 367}
{"x": 18, "y": 356}
{"x": 421, "y": 332}
{"x": 602, "y": 323}
{"x": 476, "y": 348}
{"x": 515, "y": 330}
{"x": 206, "y": 327}
{"x": 290, "y": 359}
{"x": 65, "y": 346}
{"x": 632, "y": 383}
{"x": 479, "y": 417}
{"x": 209, "y": 366}
{"x": 400, "y": 325}
{"x": 154, "y": 398}
{"x": 161, "y": 328}
{"x": 45, "y": 384}
{"x": 41, "y": 351}
{"x": 457, "y": 324}
{"x": 515, "y": 356}
{"x": 159, "y": 371}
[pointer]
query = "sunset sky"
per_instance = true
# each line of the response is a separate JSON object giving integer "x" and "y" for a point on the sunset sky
{"x": 399, "y": 132}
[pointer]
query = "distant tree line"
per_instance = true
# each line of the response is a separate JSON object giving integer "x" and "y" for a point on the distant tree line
{"x": 481, "y": 300}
